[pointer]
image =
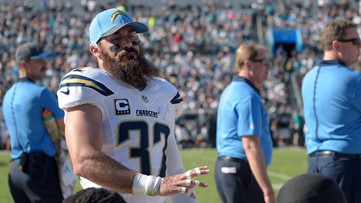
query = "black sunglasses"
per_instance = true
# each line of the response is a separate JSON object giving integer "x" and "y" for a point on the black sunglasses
{"x": 263, "y": 61}
{"x": 354, "y": 41}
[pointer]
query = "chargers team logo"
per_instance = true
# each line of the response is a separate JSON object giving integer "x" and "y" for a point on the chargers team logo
{"x": 121, "y": 106}
{"x": 115, "y": 14}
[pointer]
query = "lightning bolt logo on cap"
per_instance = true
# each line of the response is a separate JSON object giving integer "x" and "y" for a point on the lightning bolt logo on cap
{"x": 115, "y": 14}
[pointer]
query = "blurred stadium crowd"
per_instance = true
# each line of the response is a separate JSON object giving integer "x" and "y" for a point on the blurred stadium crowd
{"x": 193, "y": 45}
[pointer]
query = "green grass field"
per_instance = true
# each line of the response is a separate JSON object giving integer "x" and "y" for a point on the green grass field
{"x": 287, "y": 163}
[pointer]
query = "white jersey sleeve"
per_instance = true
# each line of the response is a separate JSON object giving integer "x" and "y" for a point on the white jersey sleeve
{"x": 173, "y": 96}
{"x": 82, "y": 86}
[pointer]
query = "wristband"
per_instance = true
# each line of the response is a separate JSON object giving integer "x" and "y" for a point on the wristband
{"x": 143, "y": 184}
{"x": 153, "y": 185}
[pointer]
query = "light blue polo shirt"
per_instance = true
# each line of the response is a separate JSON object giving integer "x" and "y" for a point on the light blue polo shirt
{"x": 332, "y": 108}
{"x": 241, "y": 112}
{"x": 22, "y": 106}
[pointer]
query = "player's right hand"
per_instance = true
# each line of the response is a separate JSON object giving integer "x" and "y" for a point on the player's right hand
{"x": 183, "y": 183}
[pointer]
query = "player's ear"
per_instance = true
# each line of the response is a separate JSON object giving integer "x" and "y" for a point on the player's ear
{"x": 94, "y": 49}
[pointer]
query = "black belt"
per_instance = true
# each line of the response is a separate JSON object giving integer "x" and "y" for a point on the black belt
{"x": 336, "y": 154}
{"x": 232, "y": 159}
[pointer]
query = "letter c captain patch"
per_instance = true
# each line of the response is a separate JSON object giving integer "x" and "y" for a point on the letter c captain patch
{"x": 121, "y": 106}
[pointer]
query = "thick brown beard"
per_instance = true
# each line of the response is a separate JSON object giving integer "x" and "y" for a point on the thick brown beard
{"x": 135, "y": 72}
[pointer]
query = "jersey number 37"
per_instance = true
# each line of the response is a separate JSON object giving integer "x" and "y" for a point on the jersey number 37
{"x": 142, "y": 151}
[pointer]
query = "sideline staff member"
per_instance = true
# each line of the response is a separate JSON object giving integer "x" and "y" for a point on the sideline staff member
{"x": 244, "y": 142}
{"x": 331, "y": 94}
{"x": 33, "y": 176}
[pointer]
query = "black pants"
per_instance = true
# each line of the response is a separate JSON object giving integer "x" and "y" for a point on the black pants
{"x": 236, "y": 183}
{"x": 37, "y": 183}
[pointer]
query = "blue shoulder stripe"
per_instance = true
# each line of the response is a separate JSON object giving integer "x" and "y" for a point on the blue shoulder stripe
{"x": 176, "y": 99}
{"x": 78, "y": 80}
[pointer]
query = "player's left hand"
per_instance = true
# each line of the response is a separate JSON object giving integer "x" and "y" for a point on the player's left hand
{"x": 183, "y": 183}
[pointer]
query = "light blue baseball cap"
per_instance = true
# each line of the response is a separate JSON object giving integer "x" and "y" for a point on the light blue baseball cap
{"x": 109, "y": 21}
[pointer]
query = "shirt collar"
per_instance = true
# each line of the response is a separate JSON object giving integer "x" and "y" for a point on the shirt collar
{"x": 25, "y": 80}
{"x": 332, "y": 62}
{"x": 237, "y": 78}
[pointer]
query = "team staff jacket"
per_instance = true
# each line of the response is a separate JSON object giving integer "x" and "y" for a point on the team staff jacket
{"x": 138, "y": 125}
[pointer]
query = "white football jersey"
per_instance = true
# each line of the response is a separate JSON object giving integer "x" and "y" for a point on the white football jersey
{"x": 138, "y": 125}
